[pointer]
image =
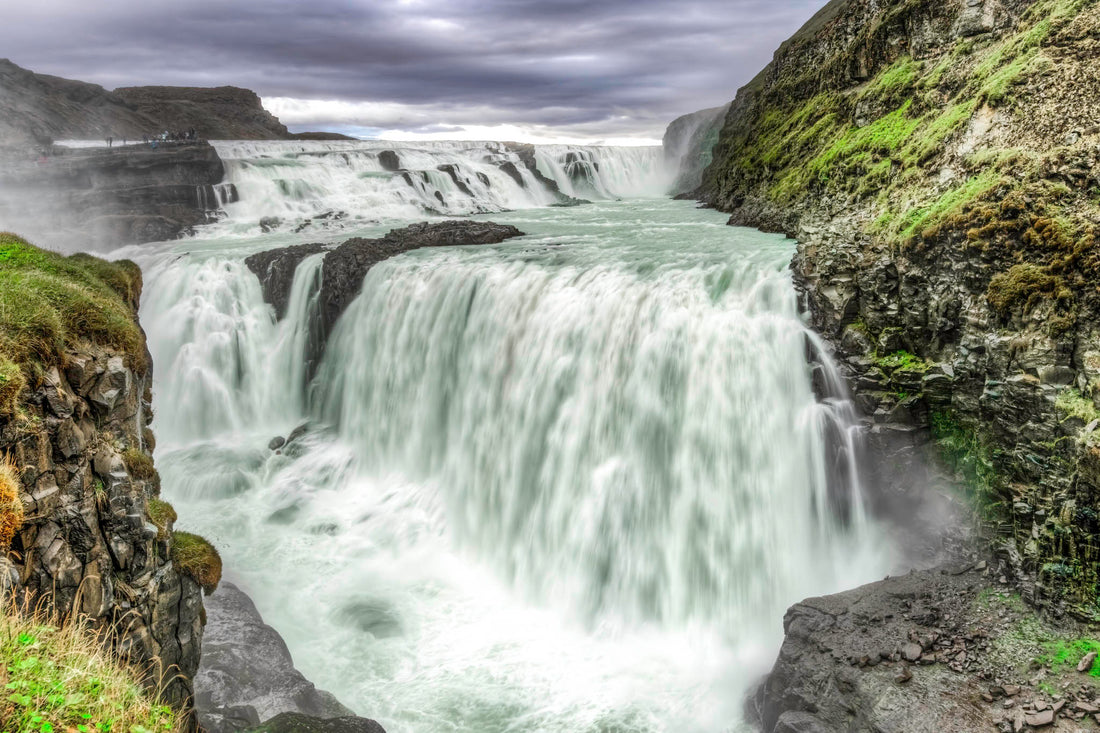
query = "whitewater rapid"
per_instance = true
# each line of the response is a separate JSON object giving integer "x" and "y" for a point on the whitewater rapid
{"x": 566, "y": 483}
{"x": 316, "y": 186}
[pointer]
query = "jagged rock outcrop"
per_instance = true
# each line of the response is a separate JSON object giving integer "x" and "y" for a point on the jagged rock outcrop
{"x": 247, "y": 674}
{"x": 688, "y": 143}
{"x": 80, "y": 442}
{"x": 276, "y": 268}
{"x": 526, "y": 154}
{"x": 93, "y": 198}
{"x": 345, "y": 266}
{"x": 939, "y": 164}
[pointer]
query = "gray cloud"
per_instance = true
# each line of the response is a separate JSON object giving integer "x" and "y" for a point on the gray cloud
{"x": 628, "y": 65}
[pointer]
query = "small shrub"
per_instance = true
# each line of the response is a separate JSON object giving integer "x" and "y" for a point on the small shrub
{"x": 198, "y": 559}
{"x": 58, "y": 677}
{"x": 140, "y": 465}
{"x": 162, "y": 514}
{"x": 1021, "y": 284}
{"x": 11, "y": 506}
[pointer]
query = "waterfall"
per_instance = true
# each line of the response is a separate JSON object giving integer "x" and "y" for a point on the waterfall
{"x": 316, "y": 184}
{"x": 565, "y": 483}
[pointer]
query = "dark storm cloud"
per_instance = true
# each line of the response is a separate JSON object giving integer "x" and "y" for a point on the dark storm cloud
{"x": 631, "y": 65}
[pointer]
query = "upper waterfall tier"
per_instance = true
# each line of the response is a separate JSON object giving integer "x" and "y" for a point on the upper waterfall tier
{"x": 321, "y": 185}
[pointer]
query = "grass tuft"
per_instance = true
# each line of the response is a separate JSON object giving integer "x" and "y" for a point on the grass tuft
{"x": 162, "y": 514}
{"x": 198, "y": 559}
{"x": 140, "y": 465}
{"x": 59, "y": 678}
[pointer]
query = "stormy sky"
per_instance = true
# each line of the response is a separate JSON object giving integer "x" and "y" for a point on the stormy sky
{"x": 592, "y": 70}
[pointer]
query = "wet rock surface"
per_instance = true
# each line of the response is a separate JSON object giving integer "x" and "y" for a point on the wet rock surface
{"x": 295, "y": 723}
{"x": 247, "y": 674}
{"x": 345, "y": 266}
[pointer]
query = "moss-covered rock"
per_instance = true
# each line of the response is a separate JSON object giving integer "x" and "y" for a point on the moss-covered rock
{"x": 198, "y": 559}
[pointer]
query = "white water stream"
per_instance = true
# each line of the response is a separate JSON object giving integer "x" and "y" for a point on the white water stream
{"x": 565, "y": 483}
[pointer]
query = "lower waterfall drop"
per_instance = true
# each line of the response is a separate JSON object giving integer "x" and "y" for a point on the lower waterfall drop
{"x": 566, "y": 483}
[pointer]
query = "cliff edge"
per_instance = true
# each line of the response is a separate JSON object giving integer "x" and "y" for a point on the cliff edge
{"x": 89, "y": 533}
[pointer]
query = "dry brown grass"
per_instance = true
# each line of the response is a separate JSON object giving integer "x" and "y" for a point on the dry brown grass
{"x": 11, "y": 506}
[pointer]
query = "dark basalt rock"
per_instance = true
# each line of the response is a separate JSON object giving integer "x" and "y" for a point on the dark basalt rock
{"x": 247, "y": 674}
{"x": 526, "y": 153}
{"x": 275, "y": 268}
{"x": 389, "y": 160}
{"x": 452, "y": 171}
{"x": 345, "y": 266}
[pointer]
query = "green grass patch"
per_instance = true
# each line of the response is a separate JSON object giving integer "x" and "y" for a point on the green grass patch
{"x": 903, "y": 360}
{"x": 963, "y": 451}
{"x": 1071, "y": 403}
{"x": 60, "y": 679}
{"x": 920, "y": 219}
{"x": 50, "y": 303}
{"x": 1063, "y": 655}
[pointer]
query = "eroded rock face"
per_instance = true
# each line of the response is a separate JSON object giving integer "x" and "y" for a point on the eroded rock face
{"x": 247, "y": 674}
{"x": 103, "y": 198}
{"x": 87, "y": 542}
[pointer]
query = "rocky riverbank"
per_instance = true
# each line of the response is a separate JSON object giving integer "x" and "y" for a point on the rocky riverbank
{"x": 247, "y": 675}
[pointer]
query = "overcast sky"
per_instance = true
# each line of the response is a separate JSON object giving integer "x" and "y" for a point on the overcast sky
{"x": 594, "y": 70}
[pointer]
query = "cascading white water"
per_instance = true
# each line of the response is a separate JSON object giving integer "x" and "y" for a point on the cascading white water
{"x": 565, "y": 483}
{"x": 346, "y": 182}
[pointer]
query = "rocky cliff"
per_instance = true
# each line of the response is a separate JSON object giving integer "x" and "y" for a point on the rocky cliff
{"x": 939, "y": 164}
{"x": 36, "y": 109}
{"x": 216, "y": 113}
{"x": 90, "y": 535}
{"x": 88, "y": 198}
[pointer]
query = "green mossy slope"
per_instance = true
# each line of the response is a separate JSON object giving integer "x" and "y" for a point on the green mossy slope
{"x": 50, "y": 303}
